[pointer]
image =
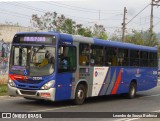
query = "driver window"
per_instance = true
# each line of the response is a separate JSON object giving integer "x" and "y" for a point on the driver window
{"x": 66, "y": 59}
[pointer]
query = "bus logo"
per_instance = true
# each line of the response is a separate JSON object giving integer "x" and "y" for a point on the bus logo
{"x": 138, "y": 74}
{"x": 96, "y": 74}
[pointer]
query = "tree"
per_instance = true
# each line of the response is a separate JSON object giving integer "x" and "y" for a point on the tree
{"x": 116, "y": 36}
{"x": 99, "y": 32}
{"x": 142, "y": 38}
{"x": 136, "y": 38}
{"x": 53, "y": 21}
{"x": 150, "y": 39}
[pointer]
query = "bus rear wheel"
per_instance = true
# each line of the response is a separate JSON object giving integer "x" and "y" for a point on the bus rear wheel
{"x": 132, "y": 90}
{"x": 80, "y": 94}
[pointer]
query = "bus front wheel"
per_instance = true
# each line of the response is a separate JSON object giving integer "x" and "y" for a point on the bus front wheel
{"x": 132, "y": 90}
{"x": 80, "y": 94}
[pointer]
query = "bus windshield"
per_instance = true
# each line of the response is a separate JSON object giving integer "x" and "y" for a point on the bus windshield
{"x": 32, "y": 60}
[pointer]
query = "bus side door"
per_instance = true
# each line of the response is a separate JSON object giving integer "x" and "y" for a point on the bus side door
{"x": 66, "y": 69}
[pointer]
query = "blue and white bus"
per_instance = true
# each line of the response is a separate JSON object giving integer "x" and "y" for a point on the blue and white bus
{"x": 55, "y": 66}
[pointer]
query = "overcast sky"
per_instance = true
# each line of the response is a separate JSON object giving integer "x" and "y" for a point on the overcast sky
{"x": 84, "y": 12}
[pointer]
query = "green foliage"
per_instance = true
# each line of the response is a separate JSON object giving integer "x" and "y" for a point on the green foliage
{"x": 3, "y": 90}
{"x": 142, "y": 38}
{"x": 53, "y": 21}
{"x": 138, "y": 37}
{"x": 99, "y": 32}
{"x": 114, "y": 37}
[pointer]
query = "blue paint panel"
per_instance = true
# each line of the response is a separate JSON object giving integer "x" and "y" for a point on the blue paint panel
{"x": 145, "y": 80}
{"x": 63, "y": 88}
{"x": 66, "y": 38}
{"x": 144, "y": 77}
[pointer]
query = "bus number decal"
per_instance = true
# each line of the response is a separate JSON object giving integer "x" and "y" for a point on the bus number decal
{"x": 154, "y": 72}
{"x": 37, "y": 78}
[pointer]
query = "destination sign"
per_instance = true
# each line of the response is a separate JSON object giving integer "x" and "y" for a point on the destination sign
{"x": 35, "y": 39}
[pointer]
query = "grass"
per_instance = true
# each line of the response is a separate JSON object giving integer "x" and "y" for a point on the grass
{"x": 3, "y": 90}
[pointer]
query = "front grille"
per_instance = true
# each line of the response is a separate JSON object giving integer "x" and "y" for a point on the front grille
{"x": 30, "y": 81}
{"x": 27, "y": 87}
{"x": 24, "y": 92}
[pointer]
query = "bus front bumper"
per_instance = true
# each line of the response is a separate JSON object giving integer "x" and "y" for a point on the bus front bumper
{"x": 32, "y": 94}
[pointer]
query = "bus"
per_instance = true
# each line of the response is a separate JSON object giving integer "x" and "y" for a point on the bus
{"x": 57, "y": 66}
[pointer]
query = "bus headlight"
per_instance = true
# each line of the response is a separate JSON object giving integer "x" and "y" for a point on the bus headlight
{"x": 48, "y": 85}
{"x": 11, "y": 83}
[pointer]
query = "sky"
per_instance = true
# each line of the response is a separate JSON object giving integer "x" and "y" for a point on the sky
{"x": 109, "y": 13}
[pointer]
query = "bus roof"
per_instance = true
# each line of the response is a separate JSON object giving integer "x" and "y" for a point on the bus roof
{"x": 78, "y": 38}
{"x": 125, "y": 45}
{"x": 111, "y": 43}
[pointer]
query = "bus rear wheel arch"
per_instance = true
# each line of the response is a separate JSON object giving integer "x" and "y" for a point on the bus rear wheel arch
{"x": 132, "y": 89}
{"x": 80, "y": 93}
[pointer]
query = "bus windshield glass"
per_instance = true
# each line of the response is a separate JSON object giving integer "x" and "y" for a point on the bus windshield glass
{"x": 32, "y": 60}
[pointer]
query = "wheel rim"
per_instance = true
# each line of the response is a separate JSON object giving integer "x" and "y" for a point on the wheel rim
{"x": 80, "y": 94}
{"x": 132, "y": 92}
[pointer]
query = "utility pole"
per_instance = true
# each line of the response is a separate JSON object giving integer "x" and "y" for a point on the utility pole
{"x": 153, "y": 3}
{"x": 151, "y": 18}
{"x": 124, "y": 24}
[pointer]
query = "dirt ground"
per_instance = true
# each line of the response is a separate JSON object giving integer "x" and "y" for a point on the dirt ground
{"x": 3, "y": 79}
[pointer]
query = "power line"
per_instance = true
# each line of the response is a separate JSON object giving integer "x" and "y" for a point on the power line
{"x": 156, "y": 23}
{"x": 84, "y": 10}
{"x": 14, "y": 13}
{"x": 11, "y": 14}
{"x": 138, "y": 14}
{"x": 81, "y": 8}
{"x": 42, "y": 10}
{"x": 25, "y": 6}
{"x": 141, "y": 24}
{"x": 27, "y": 16}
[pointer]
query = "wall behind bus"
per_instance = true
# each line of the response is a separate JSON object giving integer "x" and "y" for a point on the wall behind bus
{"x": 7, "y": 33}
{"x": 4, "y": 57}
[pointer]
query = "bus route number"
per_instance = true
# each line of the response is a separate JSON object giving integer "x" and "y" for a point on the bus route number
{"x": 37, "y": 78}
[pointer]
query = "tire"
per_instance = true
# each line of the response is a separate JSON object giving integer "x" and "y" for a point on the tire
{"x": 80, "y": 94}
{"x": 132, "y": 90}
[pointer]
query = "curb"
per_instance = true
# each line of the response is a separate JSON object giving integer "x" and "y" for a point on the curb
{"x": 4, "y": 96}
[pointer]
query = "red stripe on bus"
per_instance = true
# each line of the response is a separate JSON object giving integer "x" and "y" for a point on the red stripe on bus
{"x": 116, "y": 85}
{"x": 16, "y": 77}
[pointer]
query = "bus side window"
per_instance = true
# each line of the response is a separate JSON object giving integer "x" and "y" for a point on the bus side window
{"x": 134, "y": 57}
{"x": 97, "y": 55}
{"x": 123, "y": 59}
{"x": 153, "y": 59}
{"x": 144, "y": 60}
{"x": 110, "y": 56}
{"x": 84, "y": 51}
